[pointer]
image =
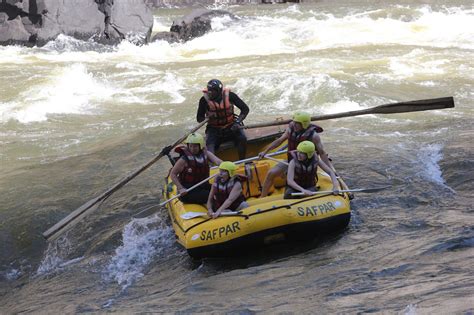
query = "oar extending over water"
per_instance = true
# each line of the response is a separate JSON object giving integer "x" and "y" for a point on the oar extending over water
{"x": 365, "y": 190}
{"x": 80, "y": 212}
{"x": 395, "y": 108}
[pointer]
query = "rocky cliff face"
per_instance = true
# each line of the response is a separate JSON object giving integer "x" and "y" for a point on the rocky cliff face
{"x": 35, "y": 22}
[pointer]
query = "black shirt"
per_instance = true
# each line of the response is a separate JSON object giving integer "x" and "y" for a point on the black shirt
{"x": 233, "y": 98}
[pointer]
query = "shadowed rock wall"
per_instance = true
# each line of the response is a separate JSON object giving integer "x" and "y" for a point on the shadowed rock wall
{"x": 35, "y": 22}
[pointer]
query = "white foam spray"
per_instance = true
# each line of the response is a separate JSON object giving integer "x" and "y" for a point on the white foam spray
{"x": 73, "y": 90}
{"x": 409, "y": 310}
{"x": 429, "y": 157}
{"x": 143, "y": 240}
{"x": 54, "y": 257}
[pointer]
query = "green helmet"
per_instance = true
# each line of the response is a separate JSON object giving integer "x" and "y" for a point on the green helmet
{"x": 196, "y": 138}
{"x": 302, "y": 117}
{"x": 306, "y": 147}
{"x": 229, "y": 167}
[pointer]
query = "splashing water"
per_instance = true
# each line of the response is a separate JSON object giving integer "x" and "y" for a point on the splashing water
{"x": 429, "y": 158}
{"x": 54, "y": 258}
{"x": 61, "y": 95}
{"x": 143, "y": 239}
{"x": 409, "y": 310}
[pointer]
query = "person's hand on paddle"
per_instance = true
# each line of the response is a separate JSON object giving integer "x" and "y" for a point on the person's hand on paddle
{"x": 308, "y": 192}
{"x": 235, "y": 126}
{"x": 182, "y": 191}
{"x": 216, "y": 214}
{"x": 166, "y": 150}
{"x": 210, "y": 114}
{"x": 335, "y": 190}
{"x": 261, "y": 155}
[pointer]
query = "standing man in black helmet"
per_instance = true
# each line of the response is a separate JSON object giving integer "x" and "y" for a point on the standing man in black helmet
{"x": 217, "y": 104}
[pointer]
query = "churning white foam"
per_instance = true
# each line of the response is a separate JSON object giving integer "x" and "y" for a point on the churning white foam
{"x": 12, "y": 274}
{"x": 71, "y": 90}
{"x": 54, "y": 256}
{"x": 429, "y": 157}
{"x": 143, "y": 240}
{"x": 409, "y": 310}
{"x": 292, "y": 91}
{"x": 288, "y": 30}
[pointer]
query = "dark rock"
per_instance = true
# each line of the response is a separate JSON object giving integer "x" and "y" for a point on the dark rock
{"x": 132, "y": 20}
{"x": 35, "y": 22}
{"x": 170, "y": 37}
{"x": 197, "y": 23}
{"x": 12, "y": 31}
{"x": 193, "y": 25}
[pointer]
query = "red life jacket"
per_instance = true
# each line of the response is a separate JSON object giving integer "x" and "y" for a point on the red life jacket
{"x": 224, "y": 111}
{"x": 296, "y": 137}
{"x": 306, "y": 174}
{"x": 197, "y": 167}
{"x": 223, "y": 191}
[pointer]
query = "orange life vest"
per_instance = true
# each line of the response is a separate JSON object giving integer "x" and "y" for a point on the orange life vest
{"x": 224, "y": 111}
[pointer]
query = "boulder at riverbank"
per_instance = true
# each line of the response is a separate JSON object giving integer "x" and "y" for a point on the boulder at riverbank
{"x": 193, "y": 25}
{"x": 35, "y": 22}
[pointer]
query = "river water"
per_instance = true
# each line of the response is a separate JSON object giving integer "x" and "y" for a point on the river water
{"x": 76, "y": 117}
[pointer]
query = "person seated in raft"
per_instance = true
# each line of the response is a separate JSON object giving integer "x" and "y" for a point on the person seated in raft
{"x": 299, "y": 129}
{"x": 226, "y": 192}
{"x": 191, "y": 168}
{"x": 302, "y": 171}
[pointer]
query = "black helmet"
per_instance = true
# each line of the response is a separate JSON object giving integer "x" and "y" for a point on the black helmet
{"x": 215, "y": 85}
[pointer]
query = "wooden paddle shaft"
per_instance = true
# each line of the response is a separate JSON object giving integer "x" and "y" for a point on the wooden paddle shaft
{"x": 366, "y": 190}
{"x": 59, "y": 227}
{"x": 395, "y": 108}
{"x": 207, "y": 179}
{"x": 276, "y": 160}
{"x": 189, "y": 189}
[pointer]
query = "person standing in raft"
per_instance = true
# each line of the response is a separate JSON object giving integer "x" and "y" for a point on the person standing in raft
{"x": 191, "y": 168}
{"x": 217, "y": 104}
{"x": 226, "y": 192}
{"x": 302, "y": 171}
{"x": 299, "y": 130}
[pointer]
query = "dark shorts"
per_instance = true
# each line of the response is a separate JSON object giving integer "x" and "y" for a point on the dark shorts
{"x": 215, "y": 137}
{"x": 198, "y": 195}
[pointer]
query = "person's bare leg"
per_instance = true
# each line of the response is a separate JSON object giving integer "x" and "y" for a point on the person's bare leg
{"x": 269, "y": 179}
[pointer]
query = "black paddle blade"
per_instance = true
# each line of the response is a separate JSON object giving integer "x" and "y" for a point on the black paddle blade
{"x": 414, "y": 106}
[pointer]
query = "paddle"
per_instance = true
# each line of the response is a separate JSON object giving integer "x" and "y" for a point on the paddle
{"x": 207, "y": 179}
{"x": 276, "y": 160}
{"x": 59, "y": 227}
{"x": 365, "y": 190}
{"x": 395, "y": 108}
{"x": 189, "y": 189}
{"x": 192, "y": 214}
{"x": 254, "y": 158}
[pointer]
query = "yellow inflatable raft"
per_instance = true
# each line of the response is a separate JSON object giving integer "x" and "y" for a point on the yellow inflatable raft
{"x": 265, "y": 221}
